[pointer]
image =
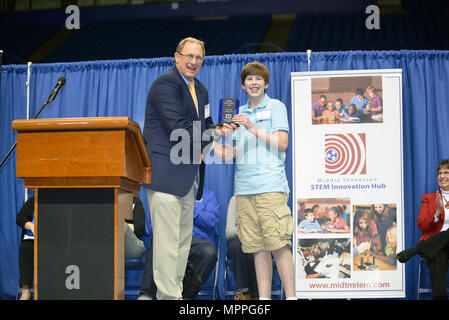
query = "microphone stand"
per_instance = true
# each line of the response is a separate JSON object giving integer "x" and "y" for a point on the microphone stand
{"x": 15, "y": 143}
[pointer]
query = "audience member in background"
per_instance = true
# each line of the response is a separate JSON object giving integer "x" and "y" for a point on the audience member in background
{"x": 242, "y": 264}
{"x": 202, "y": 255}
{"x": 134, "y": 230}
{"x": 433, "y": 221}
{"x": 25, "y": 220}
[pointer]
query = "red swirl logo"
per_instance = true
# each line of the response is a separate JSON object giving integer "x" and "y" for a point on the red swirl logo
{"x": 345, "y": 154}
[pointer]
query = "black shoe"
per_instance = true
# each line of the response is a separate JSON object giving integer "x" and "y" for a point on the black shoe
{"x": 406, "y": 255}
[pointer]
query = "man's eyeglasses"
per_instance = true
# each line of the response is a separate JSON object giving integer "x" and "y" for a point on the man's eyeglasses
{"x": 190, "y": 57}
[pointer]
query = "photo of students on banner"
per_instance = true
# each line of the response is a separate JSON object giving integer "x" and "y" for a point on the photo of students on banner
{"x": 323, "y": 215}
{"x": 339, "y": 100}
{"x": 323, "y": 258}
{"x": 374, "y": 237}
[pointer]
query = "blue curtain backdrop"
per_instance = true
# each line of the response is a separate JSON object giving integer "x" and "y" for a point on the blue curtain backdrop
{"x": 119, "y": 88}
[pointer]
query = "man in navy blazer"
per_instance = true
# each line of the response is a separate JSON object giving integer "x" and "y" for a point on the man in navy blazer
{"x": 170, "y": 107}
{"x": 175, "y": 121}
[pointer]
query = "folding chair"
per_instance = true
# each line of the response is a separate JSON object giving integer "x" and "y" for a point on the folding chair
{"x": 229, "y": 288}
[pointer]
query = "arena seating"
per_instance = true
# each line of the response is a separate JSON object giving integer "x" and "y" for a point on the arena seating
{"x": 415, "y": 25}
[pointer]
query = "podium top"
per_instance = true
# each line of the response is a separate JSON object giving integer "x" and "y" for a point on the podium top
{"x": 57, "y": 124}
{"x": 97, "y": 151}
{"x": 99, "y": 123}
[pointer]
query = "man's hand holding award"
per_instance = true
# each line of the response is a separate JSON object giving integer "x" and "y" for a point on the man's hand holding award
{"x": 228, "y": 108}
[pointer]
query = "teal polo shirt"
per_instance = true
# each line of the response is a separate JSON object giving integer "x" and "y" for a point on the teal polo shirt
{"x": 259, "y": 167}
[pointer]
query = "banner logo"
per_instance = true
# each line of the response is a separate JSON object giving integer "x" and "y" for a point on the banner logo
{"x": 345, "y": 154}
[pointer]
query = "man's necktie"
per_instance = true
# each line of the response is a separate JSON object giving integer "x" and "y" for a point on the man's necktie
{"x": 193, "y": 93}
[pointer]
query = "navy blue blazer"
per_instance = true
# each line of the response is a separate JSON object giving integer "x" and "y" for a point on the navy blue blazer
{"x": 170, "y": 107}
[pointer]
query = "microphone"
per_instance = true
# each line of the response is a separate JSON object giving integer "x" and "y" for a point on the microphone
{"x": 59, "y": 85}
{"x": 51, "y": 97}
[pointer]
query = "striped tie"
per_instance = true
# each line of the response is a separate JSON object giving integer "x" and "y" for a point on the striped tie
{"x": 193, "y": 93}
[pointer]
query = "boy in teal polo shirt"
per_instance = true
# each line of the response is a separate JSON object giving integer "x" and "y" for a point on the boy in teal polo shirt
{"x": 261, "y": 187}
{"x": 260, "y": 166}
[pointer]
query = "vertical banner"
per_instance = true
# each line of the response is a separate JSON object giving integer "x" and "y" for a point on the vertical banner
{"x": 348, "y": 183}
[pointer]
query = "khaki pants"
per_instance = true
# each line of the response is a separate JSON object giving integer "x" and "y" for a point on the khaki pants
{"x": 172, "y": 222}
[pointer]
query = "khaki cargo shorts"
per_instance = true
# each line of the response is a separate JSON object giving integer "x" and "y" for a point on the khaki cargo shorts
{"x": 265, "y": 222}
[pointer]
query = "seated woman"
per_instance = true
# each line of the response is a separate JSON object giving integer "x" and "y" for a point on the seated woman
{"x": 433, "y": 221}
{"x": 25, "y": 220}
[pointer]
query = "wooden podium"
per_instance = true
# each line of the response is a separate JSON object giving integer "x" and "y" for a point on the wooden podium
{"x": 84, "y": 172}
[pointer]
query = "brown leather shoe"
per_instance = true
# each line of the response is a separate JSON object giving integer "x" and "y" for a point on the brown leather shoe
{"x": 242, "y": 295}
